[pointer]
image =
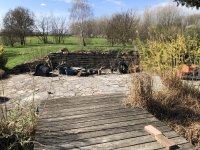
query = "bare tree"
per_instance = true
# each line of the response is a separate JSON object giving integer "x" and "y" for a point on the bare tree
{"x": 80, "y": 13}
{"x": 192, "y": 27}
{"x": 168, "y": 15}
{"x": 162, "y": 21}
{"x": 111, "y": 32}
{"x": 59, "y": 29}
{"x": 122, "y": 28}
{"x": 168, "y": 21}
{"x": 90, "y": 27}
{"x": 19, "y": 21}
{"x": 8, "y": 37}
{"x": 93, "y": 28}
{"x": 42, "y": 28}
{"x": 99, "y": 26}
{"x": 193, "y": 19}
{"x": 147, "y": 21}
{"x": 74, "y": 29}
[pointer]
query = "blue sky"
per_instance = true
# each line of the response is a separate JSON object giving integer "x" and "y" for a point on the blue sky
{"x": 61, "y": 7}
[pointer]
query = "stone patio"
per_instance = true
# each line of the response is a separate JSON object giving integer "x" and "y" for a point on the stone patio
{"x": 25, "y": 87}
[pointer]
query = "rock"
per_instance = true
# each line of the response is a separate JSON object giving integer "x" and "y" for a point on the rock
{"x": 64, "y": 51}
{"x": 83, "y": 74}
{"x": 49, "y": 92}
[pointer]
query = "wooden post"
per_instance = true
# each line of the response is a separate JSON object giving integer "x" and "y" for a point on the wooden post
{"x": 158, "y": 135}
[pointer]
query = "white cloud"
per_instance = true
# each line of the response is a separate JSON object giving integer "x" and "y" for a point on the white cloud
{"x": 116, "y": 2}
{"x": 43, "y": 4}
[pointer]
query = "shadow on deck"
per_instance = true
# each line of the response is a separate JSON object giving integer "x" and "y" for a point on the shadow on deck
{"x": 98, "y": 122}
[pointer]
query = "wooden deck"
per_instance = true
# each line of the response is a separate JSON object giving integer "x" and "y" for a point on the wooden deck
{"x": 98, "y": 122}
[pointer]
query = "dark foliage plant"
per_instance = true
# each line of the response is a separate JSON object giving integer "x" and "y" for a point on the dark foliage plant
{"x": 189, "y": 3}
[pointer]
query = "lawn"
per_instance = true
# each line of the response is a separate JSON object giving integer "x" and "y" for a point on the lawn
{"x": 34, "y": 49}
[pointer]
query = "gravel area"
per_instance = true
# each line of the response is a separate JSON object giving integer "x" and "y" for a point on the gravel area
{"x": 25, "y": 87}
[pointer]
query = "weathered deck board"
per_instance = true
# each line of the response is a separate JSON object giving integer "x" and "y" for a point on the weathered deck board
{"x": 99, "y": 122}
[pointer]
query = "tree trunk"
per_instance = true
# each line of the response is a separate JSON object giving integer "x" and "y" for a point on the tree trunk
{"x": 22, "y": 40}
{"x": 82, "y": 36}
{"x": 84, "y": 44}
{"x": 112, "y": 42}
{"x": 44, "y": 39}
{"x": 12, "y": 44}
{"x": 11, "y": 41}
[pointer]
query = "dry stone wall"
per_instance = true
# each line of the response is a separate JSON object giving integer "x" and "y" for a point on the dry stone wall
{"x": 80, "y": 59}
{"x": 93, "y": 59}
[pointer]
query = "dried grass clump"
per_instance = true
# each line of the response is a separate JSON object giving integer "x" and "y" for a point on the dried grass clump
{"x": 183, "y": 108}
{"x": 17, "y": 126}
{"x": 178, "y": 105}
{"x": 141, "y": 91}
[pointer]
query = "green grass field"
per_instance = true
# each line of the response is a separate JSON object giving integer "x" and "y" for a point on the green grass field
{"x": 34, "y": 49}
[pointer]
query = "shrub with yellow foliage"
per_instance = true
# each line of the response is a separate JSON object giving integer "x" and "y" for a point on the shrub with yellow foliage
{"x": 1, "y": 49}
{"x": 161, "y": 54}
{"x": 2, "y": 57}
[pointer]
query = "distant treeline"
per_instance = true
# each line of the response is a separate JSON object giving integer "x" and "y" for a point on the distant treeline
{"x": 120, "y": 28}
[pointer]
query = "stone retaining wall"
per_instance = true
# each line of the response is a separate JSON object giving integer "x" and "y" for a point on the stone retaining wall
{"x": 93, "y": 60}
{"x": 80, "y": 59}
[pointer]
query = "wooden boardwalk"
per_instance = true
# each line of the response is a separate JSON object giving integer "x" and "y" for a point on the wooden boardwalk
{"x": 98, "y": 122}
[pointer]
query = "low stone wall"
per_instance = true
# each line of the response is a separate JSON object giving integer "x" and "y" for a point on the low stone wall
{"x": 80, "y": 59}
{"x": 93, "y": 59}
